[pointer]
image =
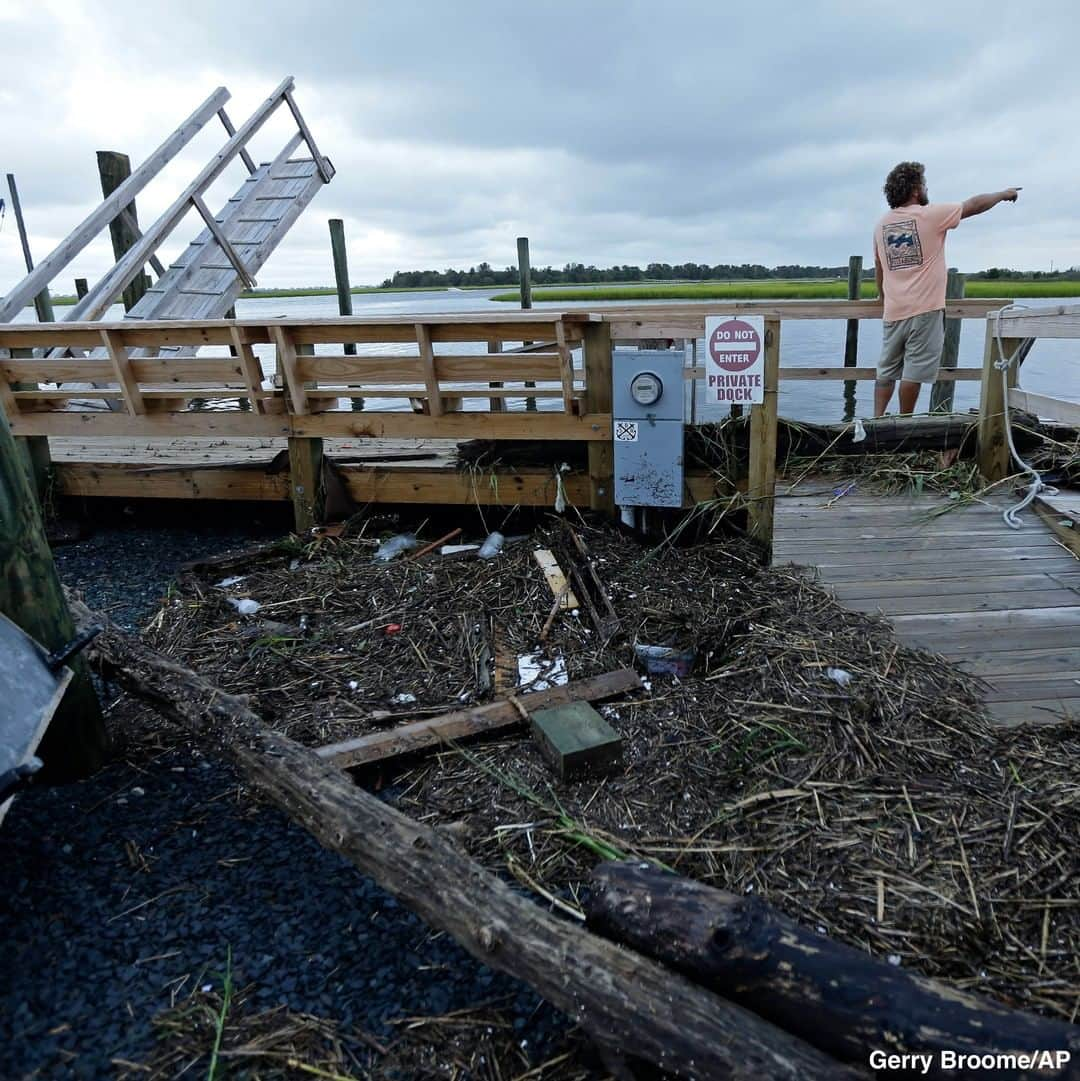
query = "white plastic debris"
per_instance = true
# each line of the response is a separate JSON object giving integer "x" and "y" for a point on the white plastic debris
{"x": 245, "y": 605}
{"x": 454, "y": 549}
{"x": 540, "y": 673}
{"x": 353, "y": 685}
{"x": 492, "y": 546}
{"x": 403, "y": 699}
{"x": 226, "y": 582}
{"x": 839, "y": 675}
{"x": 393, "y": 547}
{"x": 859, "y": 433}
{"x": 894, "y": 960}
{"x": 560, "y": 491}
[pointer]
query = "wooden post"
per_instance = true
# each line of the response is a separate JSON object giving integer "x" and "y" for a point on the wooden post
{"x": 31, "y": 596}
{"x": 596, "y": 351}
{"x": 525, "y": 288}
{"x": 114, "y": 168}
{"x": 81, "y": 288}
{"x": 993, "y": 446}
{"x": 941, "y": 394}
{"x": 305, "y": 453}
{"x": 344, "y": 289}
{"x": 851, "y": 341}
{"x": 42, "y": 302}
{"x": 34, "y": 448}
{"x": 761, "y": 482}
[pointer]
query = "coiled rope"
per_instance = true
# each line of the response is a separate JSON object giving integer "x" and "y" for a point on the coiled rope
{"x": 1003, "y": 363}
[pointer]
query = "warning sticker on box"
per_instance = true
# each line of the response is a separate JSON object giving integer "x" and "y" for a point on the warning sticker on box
{"x": 626, "y": 431}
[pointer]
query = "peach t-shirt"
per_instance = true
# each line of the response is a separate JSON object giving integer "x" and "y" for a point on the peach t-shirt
{"x": 910, "y": 245}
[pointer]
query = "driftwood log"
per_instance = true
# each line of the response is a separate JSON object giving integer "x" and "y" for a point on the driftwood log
{"x": 840, "y": 999}
{"x": 623, "y": 1000}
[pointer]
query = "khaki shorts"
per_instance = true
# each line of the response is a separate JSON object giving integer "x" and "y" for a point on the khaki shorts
{"x": 911, "y": 348}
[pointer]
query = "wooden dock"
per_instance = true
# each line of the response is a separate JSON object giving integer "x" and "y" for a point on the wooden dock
{"x": 1003, "y": 604}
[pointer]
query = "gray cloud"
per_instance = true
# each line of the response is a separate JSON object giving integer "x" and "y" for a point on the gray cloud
{"x": 608, "y": 131}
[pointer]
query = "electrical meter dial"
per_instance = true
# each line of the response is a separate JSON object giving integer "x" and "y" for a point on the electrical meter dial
{"x": 646, "y": 388}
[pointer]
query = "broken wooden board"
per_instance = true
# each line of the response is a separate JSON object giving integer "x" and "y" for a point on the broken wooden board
{"x": 576, "y": 740}
{"x": 556, "y": 580}
{"x": 466, "y": 723}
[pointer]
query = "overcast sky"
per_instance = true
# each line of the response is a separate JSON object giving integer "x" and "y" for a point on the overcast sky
{"x": 608, "y": 131}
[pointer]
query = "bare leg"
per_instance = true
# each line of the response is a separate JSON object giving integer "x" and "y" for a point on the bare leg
{"x": 909, "y": 395}
{"x": 882, "y": 394}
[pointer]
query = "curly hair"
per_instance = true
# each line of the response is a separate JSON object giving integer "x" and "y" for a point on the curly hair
{"x": 902, "y": 183}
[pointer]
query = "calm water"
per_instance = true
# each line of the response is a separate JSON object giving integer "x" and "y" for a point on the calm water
{"x": 1053, "y": 367}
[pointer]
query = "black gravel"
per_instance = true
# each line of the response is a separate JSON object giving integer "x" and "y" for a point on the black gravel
{"x": 126, "y": 563}
{"x": 124, "y": 893}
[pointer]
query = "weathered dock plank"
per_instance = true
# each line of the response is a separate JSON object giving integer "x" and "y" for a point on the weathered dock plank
{"x": 1004, "y": 604}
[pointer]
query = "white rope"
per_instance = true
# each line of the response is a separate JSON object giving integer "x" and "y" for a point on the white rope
{"x": 1003, "y": 364}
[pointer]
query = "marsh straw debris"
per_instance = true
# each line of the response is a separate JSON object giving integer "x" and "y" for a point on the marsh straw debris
{"x": 883, "y": 809}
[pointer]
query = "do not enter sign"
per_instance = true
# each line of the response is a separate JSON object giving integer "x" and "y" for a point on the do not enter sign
{"x": 735, "y": 362}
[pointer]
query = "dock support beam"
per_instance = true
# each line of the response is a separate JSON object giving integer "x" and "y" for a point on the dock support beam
{"x": 525, "y": 288}
{"x": 306, "y": 474}
{"x": 761, "y": 483}
{"x": 598, "y": 399}
{"x": 993, "y": 446}
{"x": 31, "y": 597}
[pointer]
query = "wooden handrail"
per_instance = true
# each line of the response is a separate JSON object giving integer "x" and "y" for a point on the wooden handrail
{"x": 75, "y": 242}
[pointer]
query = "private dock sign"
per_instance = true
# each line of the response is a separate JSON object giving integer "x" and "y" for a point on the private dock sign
{"x": 735, "y": 359}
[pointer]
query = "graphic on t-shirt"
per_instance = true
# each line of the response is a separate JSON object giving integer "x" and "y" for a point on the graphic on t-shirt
{"x": 902, "y": 245}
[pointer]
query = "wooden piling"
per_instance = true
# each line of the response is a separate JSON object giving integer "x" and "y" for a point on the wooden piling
{"x": 525, "y": 289}
{"x": 81, "y": 287}
{"x": 761, "y": 483}
{"x": 851, "y": 340}
{"x": 33, "y": 449}
{"x": 596, "y": 351}
{"x": 993, "y": 446}
{"x": 114, "y": 168}
{"x": 344, "y": 287}
{"x": 306, "y": 473}
{"x": 31, "y": 596}
{"x": 941, "y": 394}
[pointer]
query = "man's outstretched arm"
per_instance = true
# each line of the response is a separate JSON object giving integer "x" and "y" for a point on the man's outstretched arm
{"x": 979, "y": 204}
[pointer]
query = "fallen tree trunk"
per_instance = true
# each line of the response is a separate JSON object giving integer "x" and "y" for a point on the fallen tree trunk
{"x": 625, "y": 1001}
{"x": 840, "y": 999}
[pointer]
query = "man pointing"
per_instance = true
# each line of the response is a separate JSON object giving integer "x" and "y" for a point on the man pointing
{"x": 909, "y": 264}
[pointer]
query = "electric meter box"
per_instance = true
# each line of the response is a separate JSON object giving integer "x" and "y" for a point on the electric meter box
{"x": 647, "y": 414}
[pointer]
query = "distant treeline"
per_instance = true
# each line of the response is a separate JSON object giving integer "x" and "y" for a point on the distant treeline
{"x": 579, "y": 273}
{"x": 576, "y": 273}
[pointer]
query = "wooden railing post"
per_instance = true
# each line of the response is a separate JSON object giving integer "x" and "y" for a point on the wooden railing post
{"x": 525, "y": 289}
{"x": 993, "y": 447}
{"x": 761, "y": 482}
{"x": 31, "y": 596}
{"x": 596, "y": 351}
{"x": 306, "y": 486}
{"x": 943, "y": 391}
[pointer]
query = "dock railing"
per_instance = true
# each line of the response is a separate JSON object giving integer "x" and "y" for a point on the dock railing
{"x": 408, "y": 360}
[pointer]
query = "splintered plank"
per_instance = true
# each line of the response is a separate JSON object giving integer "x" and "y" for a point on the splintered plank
{"x": 466, "y": 723}
{"x": 556, "y": 580}
{"x": 575, "y": 740}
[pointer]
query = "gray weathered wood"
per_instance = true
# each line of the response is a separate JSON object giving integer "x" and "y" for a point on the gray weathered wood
{"x": 230, "y": 129}
{"x": 223, "y": 241}
{"x": 98, "y": 300}
{"x": 114, "y": 168}
{"x": 79, "y": 238}
{"x": 42, "y": 302}
{"x": 941, "y": 394}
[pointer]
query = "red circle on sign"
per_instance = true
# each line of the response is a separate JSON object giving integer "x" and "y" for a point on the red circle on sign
{"x": 734, "y": 346}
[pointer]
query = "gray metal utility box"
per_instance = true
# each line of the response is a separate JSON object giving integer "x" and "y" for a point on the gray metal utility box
{"x": 647, "y": 410}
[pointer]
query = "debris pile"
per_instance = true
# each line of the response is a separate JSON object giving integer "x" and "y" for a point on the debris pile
{"x": 804, "y": 757}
